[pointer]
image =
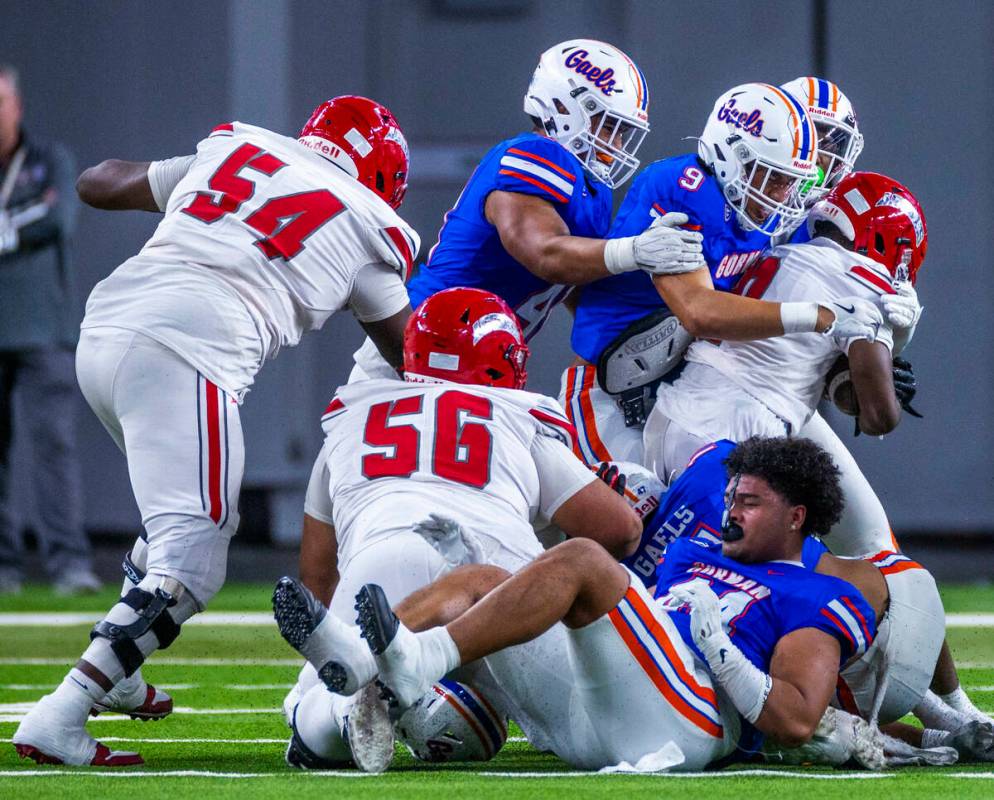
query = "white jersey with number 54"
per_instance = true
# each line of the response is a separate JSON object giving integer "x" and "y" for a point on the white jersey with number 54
{"x": 492, "y": 459}
{"x": 262, "y": 240}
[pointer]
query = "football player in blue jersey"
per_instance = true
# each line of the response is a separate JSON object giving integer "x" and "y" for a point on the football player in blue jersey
{"x": 903, "y": 595}
{"x": 757, "y": 152}
{"x": 741, "y": 614}
{"x": 531, "y": 221}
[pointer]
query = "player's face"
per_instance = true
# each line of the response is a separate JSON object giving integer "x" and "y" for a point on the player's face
{"x": 766, "y": 518}
{"x": 774, "y": 185}
{"x": 10, "y": 115}
{"x": 611, "y": 133}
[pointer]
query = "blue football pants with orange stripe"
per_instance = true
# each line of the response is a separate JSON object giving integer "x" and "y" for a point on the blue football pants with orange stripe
{"x": 641, "y": 686}
{"x": 601, "y": 434}
{"x": 182, "y": 438}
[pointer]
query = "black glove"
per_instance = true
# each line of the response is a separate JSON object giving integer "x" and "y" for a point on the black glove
{"x": 612, "y": 476}
{"x": 905, "y": 385}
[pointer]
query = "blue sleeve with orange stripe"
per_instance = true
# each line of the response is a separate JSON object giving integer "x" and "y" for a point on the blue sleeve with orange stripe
{"x": 837, "y": 608}
{"x": 539, "y": 167}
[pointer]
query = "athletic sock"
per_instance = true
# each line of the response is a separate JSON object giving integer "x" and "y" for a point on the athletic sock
{"x": 935, "y": 713}
{"x": 439, "y": 651}
{"x": 77, "y": 693}
{"x": 958, "y": 700}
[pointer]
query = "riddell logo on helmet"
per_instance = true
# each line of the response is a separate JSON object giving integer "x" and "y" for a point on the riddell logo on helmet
{"x": 603, "y": 79}
{"x": 749, "y": 121}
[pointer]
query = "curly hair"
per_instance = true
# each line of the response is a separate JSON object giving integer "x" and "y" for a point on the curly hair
{"x": 798, "y": 470}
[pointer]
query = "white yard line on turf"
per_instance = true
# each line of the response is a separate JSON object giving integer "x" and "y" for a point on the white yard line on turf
{"x": 176, "y": 773}
{"x": 61, "y": 619}
{"x": 190, "y": 741}
{"x": 173, "y": 662}
{"x": 20, "y": 619}
{"x": 14, "y": 712}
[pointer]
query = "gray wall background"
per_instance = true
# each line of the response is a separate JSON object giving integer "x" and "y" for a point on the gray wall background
{"x": 142, "y": 80}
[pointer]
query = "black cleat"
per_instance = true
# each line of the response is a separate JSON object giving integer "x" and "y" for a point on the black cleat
{"x": 375, "y": 618}
{"x": 297, "y": 611}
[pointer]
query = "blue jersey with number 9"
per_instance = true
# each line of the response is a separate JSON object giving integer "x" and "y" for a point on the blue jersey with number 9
{"x": 683, "y": 184}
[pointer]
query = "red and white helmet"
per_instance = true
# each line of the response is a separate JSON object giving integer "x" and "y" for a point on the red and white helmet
{"x": 363, "y": 138}
{"x": 761, "y": 146}
{"x": 465, "y": 336}
{"x": 839, "y": 139}
{"x": 592, "y": 98}
{"x": 881, "y": 218}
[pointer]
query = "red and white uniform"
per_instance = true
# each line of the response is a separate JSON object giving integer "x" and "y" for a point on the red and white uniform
{"x": 262, "y": 240}
{"x": 495, "y": 460}
{"x": 771, "y": 387}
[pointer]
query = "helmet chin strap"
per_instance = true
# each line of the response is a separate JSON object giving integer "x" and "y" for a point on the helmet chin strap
{"x": 731, "y": 531}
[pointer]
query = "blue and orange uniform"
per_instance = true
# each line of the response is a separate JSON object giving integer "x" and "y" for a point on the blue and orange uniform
{"x": 469, "y": 251}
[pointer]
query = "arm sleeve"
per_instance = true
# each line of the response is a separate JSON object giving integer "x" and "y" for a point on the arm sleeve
{"x": 317, "y": 501}
{"x": 378, "y": 293}
{"x": 560, "y": 473}
{"x": 164, "y": 175}
{"x": 539, "y": 167}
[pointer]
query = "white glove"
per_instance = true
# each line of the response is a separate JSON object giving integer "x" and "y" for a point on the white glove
{"x": 839, "y": 738}
{"x": 901, "y": 754}
{"x": 453, "y": 542}
{"x": 664, "y": 248}
{"x": 855, "y": 318}
{"x": 9, "y": 240}
{"x": 903, "y": 312}
{"x": 705, "y": 616}
{"x": 746, "y": 685}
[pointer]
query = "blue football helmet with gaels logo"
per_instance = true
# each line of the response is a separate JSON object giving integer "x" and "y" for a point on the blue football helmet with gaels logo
{"x": 592, "y": 98}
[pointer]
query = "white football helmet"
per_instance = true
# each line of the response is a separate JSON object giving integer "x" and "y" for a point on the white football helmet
{"x": 839, "y": 139}
{"x": 761, "y": 146}
{"x": 592, "y": 99}
{"x": 452, "y": 721}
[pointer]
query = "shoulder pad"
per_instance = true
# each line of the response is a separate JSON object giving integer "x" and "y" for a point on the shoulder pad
{"x": 396, "y": 245}
{"x": 225, "y": 129}
{"x": 540, "y": 167}
{"x": 552, "y": 421}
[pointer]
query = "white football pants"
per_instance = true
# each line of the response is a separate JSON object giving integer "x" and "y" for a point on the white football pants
{"x": 183, "y": 440}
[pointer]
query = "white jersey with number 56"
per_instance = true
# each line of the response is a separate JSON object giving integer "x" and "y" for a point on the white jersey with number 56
{"x": 262, "y": 240}
{"x": 492, "y": 459}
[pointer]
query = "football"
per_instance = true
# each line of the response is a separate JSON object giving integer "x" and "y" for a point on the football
{"x": 839, "y": 388}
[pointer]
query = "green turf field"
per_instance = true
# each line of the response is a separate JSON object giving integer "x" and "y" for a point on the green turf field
{"x": 227, "y": 737}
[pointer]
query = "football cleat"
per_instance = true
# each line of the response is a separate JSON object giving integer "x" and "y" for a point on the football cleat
{"x": 48, "y": 735}
{"x": 331, "y": 646}
{"x": 155, "y": 704}
{"x": 400, "y": 659}
{"x": 370, "y": 729}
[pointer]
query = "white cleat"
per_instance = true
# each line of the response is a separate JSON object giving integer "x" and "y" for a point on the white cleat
{"x": 46, "y": 735}
{"x": 397, "y": 651}
{"x": 974, "y": 741}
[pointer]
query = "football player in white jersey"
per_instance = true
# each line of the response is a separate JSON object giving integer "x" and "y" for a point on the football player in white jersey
{"x": 868, "y": 231}
{"x": 460, "y": 435}
{"x": 263, "y": 237}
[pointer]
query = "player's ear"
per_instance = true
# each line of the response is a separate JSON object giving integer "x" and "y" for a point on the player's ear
{"x": 797, "y": 516}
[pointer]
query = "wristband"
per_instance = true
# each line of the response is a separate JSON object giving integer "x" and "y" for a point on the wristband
{"x": 619, "y": 255}
{"x": 799, "y": 317}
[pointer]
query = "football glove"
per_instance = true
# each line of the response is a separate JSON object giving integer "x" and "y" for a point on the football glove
{"x": 612, "y": 476}
{"x": 855, "y": 318}
{"x": 903, "y": 312}
{"x": 664, "y": 248}
{"x": 453, "y": 542}
{"x": 905, "y": 385}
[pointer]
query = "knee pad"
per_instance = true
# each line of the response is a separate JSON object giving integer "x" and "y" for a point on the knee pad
{"x": 147, "y": 618}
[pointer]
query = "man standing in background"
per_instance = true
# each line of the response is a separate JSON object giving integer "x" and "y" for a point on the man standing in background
{"x": 38, "y": 329}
